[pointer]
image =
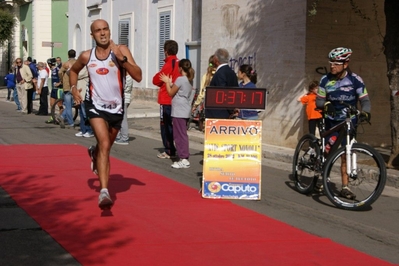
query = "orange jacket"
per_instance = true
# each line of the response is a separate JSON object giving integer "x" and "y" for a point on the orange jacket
{"x": 310, "y": 101}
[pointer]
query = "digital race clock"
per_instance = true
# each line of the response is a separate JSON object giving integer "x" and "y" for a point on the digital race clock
{"x": 231, "y": 97}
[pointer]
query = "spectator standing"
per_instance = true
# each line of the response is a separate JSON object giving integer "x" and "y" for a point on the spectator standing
{"x": 123, "y": 136}
{"x": 33, "y": 68}
{"x": 23, "y": 76}
{"x": 10, "y": 83}
{"x": 224, "y": 77}
{"x": 68, "y": 100}
{"x": 248, "y": 78}
{"x": 82, "y": 85}
{"x": 30, "y": 91}
{"x": 42, "y": 89}
{"x": 198, "y": 106}
{"x": 181, "y": 91}
{"x": 165, "y": 101}
{"x": 56, "y": 88}
{"x": 309, "y": 99}
{"x": 104, "y": 99}
{"x": 58, "y": 62}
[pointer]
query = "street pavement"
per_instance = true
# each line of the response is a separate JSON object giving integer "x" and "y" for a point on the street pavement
{"x": 145, "y": 122}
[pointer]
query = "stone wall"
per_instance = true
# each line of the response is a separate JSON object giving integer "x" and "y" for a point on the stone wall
{"x": 337, "y": 25}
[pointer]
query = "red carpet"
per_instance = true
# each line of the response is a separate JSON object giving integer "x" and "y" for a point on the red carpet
{"x": 155, "y": 220}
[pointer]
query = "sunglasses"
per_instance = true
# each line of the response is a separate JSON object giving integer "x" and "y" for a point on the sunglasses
{"x": 336, "y": 63}
{"x": 19, "y": 62}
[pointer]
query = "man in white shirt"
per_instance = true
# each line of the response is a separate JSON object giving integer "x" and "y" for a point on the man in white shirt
{"x": 42, "y": 89}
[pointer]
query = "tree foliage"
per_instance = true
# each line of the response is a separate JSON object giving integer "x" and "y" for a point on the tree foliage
{"x": 7, "y": 23}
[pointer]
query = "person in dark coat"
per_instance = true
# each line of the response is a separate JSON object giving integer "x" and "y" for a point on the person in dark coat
{"x": 224, "y": 77}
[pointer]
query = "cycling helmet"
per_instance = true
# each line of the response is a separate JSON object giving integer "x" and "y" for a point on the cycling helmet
{"x": 340, "y": 54}
{"x": 51, "y": 61}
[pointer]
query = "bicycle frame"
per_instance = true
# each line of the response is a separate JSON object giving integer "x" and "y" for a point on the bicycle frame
{"x": 344, "y": 130}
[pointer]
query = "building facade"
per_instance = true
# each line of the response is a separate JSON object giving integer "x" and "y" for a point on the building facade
{"x": 287, "y": 47}
{"x": 41, "y": 31}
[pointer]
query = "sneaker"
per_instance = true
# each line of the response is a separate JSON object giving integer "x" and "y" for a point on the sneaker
{"x": 184, "y": 163}
{"x": 79, "y": 134}
{"x": 319, "y": 188}
{"x": 93, "y": 158}
{"x": 88, "y": 135}
{"x": 347, "y": 193}
{"x": 121, "y": 142}
{"x": 163, "y": 155}
{"x": 104, "y": 201}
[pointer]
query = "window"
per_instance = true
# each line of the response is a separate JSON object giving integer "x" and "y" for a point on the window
{"x": 164, "y": 34}
{"x": 124, "y": 32}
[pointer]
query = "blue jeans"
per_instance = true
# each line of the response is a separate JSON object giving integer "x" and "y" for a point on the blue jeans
{"x": 15, "y": 96}
{"x": 84, "y": 128}
{"x": 67, "y": 113}
{"x": 123, "y": 133}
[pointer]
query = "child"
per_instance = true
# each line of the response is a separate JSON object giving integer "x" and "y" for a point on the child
{"x": 10, "y": 78}
{"x": 182, "y": 95}
{"x": 248, "y": 78}
{"x": 309, "y": 99}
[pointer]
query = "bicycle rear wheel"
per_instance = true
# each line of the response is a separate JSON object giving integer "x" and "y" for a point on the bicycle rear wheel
{"x": 58, "y": 107}
{"x": 367, "y": 183}
{"x": 304, "y": 167}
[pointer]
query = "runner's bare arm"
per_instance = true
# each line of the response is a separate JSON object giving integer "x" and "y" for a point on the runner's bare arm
{"x": 131, "y": 67}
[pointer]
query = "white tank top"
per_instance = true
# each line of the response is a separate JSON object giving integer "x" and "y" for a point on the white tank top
{"x": 107, "y": 80}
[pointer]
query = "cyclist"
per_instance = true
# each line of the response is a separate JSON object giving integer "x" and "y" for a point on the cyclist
{"x": 339, "y": 87}
{"x": 56, "y": 88}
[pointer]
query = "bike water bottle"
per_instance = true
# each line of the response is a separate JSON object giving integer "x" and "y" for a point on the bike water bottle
{"x": 330, "y": 143}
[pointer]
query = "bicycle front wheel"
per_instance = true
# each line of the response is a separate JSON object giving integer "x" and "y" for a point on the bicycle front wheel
{"x": 304, "y": 166}
{"x": 367, "y": 180}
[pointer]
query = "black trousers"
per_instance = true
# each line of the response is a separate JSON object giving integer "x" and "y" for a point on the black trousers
{"x": 43, "y": 109}
{"x": 29, "y": 106}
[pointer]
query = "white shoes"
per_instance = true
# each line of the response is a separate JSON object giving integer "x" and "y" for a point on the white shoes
{"x": 85, "y": 135}
{"x": 183, "y": 163}
{"x": 88, "y": 135}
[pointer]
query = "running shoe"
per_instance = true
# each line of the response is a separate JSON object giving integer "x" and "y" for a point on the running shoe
{"x": 93, "y": 158}
{"x": 104, "y": 201}
{"x": 79, "y": 134}
{"x": 184, "y": 163}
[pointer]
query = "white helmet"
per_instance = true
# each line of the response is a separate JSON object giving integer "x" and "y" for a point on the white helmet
{"x": 340, "y": 54}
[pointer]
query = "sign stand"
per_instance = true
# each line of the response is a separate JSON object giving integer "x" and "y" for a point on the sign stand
{"x": 233, "y": 148}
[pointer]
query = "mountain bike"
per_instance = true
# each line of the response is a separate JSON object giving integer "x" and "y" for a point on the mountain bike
{"x": 364, "y": 165}
{"x": 58, "y": 107}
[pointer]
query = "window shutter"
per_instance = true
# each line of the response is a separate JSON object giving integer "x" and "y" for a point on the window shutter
{"x": 124, "y": 30}
{"x": 164, "y": 34}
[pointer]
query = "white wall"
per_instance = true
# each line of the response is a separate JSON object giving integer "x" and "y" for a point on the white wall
{"x": 41, "y": 29}
{"x": 144, "y": 28}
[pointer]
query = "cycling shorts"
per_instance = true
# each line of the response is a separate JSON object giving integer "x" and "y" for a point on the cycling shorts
{"x": 57, "y": 93}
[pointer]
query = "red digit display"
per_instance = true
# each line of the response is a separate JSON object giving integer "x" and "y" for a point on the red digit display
{"x": 230, "y": 98}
